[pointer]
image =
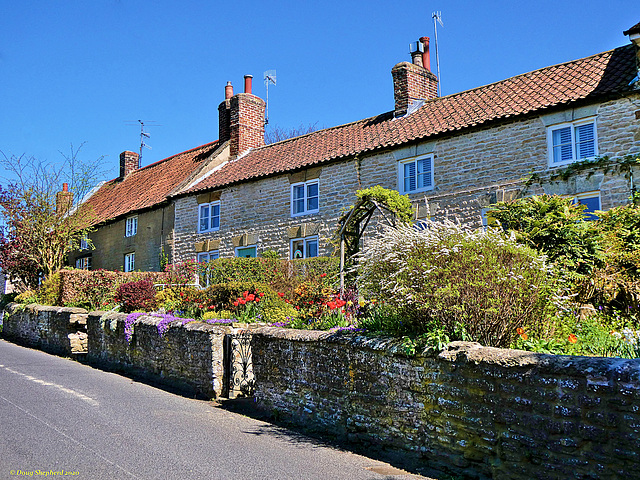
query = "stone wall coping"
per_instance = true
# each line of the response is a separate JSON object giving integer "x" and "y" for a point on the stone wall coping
{"x": 13, "y": 307}
{"x": 461, "y": 353}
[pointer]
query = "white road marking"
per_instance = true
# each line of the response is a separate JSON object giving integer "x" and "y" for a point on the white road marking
{"x": 81, "y": 445}
{"x": 79, "y": 395}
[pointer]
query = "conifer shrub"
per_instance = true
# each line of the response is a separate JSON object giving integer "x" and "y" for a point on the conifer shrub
{"x": 554, "y": 226}
{"x": 140, "y": 295}
{"x": 472, "y": 285}
{"x": 615, "y": 283}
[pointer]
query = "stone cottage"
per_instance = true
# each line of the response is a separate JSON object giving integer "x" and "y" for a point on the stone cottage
{"x": 454, "y": 156}
{"x": 563, "y": 129}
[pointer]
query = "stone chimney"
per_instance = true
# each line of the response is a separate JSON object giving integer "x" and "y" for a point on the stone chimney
{"x": 64, "y": 200}
{"x": 129, "y": 162}
{"x": 414, "y": 81}
{"x": 241, "y": 119}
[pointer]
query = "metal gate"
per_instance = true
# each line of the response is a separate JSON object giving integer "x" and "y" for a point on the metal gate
{"x": 238, "y": 366}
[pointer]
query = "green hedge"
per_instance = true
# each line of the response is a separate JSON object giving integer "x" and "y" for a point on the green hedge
{"x": 281, "y": 275}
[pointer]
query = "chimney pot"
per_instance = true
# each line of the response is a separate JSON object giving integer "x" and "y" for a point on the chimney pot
{"x": 65, "y": 187}
{"x": 228, "y": 91}
{"x": 247, "y": 83}
{"x": 426, "y": 56}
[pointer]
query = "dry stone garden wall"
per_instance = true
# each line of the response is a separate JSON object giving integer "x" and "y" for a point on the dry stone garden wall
{"x": 188, "y": 357}
{"x": 59, "y": 330}
{"x": 475, "y": 411}
{"x": 472, "y": 411}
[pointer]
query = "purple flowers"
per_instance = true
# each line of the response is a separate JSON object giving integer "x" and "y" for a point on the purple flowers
{"x": 165, "y": 321}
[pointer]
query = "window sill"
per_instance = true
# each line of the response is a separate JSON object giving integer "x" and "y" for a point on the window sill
{"x": 311, "y": 212}
{"x": 420, "y": 190}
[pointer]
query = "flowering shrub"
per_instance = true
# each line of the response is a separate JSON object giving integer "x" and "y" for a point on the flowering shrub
{"x": 92, "y": 289}
{"x": 474, "y": 285}
{"x": 139, "y": 295}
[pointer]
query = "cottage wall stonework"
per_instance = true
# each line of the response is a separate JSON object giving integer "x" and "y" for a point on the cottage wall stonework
{"x": 472, "y": 170}
{"x": 154, "y": 236}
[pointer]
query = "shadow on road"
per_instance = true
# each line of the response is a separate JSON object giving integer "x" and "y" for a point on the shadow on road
{"x": 312, "y": 438}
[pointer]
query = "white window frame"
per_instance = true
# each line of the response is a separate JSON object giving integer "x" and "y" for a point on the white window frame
{"x": 306, "y": 210}
{"x": 205, "y": 257}
{"x": 84, "y": 243}
{"x": 306, "y": 241}
{"x": 573, "y": 126}
{"x": 83, "y": 263}
{"x": 211, "y": 206}
{"x": 246, "y": 247}
{"x": 415, "y": 161}
{"x": 131, "y": 226}
{"x": 130, "y": 262}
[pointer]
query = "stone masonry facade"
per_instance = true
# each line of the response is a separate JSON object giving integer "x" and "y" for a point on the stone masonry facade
{"x": 154, "y": 237}
{"x": 472, "y": 170}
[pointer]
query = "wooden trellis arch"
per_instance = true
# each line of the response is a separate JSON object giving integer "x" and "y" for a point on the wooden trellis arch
{"x": 353, "y": 225}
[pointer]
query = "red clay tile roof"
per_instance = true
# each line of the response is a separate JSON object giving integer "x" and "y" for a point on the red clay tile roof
{"x": 147, "y": 186}
{"x": 601, "y": 75}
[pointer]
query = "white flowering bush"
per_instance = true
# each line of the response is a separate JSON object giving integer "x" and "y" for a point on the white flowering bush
{"x": 469, "y": 284}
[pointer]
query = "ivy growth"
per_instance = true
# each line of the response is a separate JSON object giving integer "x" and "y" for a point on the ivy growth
{"x": 400, "y": 205}
{"x": 605, "y": 164}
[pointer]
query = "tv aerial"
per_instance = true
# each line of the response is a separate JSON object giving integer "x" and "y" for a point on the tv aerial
{"x": 269, "y": 77}
{"x": 437, "y": 17}
{"x": 143, "y": 135}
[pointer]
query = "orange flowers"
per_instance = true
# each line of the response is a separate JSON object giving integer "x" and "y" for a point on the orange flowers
{"x": 573, "y": 338}
{"x": 520, "y": 332}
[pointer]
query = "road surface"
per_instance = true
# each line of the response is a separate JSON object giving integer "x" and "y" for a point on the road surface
{"x": 62, "y": 419}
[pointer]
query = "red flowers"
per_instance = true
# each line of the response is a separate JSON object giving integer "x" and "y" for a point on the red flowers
{"x": 323, "y": 275}
{"x": 339, "y": 303}
{"x": 281, "y": 295}
{"x": 247, "y": 298}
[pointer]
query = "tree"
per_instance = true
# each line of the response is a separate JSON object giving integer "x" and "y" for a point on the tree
{"x": 39, "y": 226}
{"x": 278, "y": 134}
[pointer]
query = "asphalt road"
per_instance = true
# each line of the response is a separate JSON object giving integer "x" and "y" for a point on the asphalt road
{"x": 60, "y": 416}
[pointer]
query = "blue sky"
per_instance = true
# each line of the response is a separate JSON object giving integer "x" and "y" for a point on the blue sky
{"x": 76, "y": 71}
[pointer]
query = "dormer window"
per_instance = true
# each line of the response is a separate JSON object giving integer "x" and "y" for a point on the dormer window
{"x": 305, "y": 198}
{"x": 571, "y": 142}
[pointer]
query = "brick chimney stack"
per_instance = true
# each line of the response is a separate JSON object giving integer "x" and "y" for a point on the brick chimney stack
{"x": 64, "y": 200}
{"x": 241, "y": 118}
{"x": 414, "y": 81}
{"x": 129, "y": 162}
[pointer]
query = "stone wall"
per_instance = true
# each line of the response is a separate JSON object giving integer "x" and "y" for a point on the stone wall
{"x": 59, "y": 330}
{"x": 188, "y": 357}
{"x": 474, "y": 411}
{"x": 472, "y": 170}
